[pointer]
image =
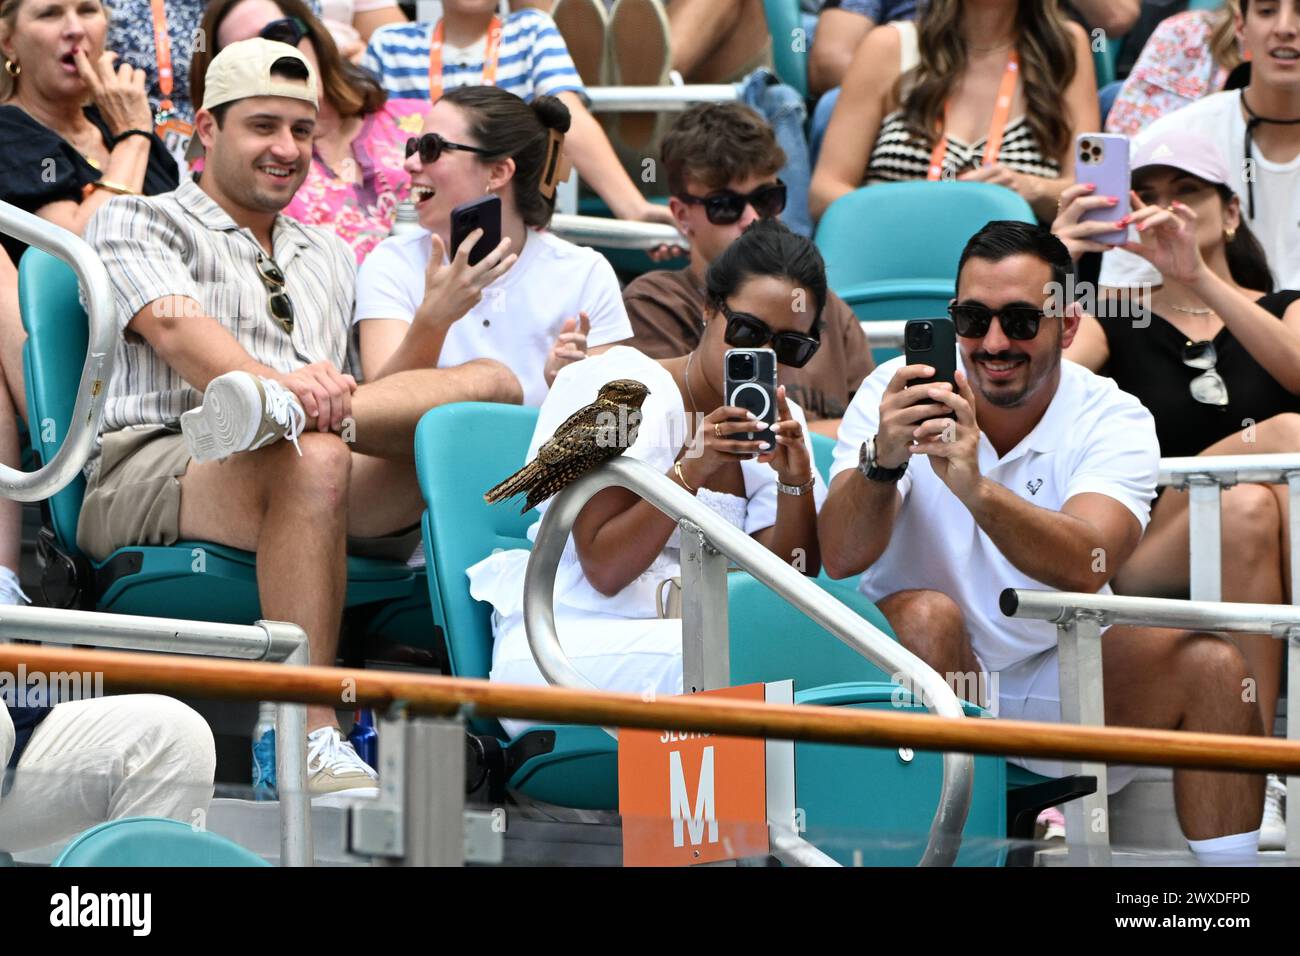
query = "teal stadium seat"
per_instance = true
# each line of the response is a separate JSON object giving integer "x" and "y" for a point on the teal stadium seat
{"x": 789, "y": 44}
{"x": 567, "y": 765}
{"x": 154, "y": 841}
{"x": 891, "y": 249}
{"x": 202, "y": 580}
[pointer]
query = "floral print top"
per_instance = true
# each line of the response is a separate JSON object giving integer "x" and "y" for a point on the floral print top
{"x": 1176, "y": 68}
{"x": 362, "y": 213}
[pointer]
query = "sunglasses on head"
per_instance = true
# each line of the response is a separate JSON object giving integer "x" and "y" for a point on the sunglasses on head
{"x": 430, "y": 146}
{"x": 745, "y": 331}
{"x": 288, "y": 30}
{"x": 973, "y": 319}
{"x": 726, "y": 207}
{"x": 278, "y": 300}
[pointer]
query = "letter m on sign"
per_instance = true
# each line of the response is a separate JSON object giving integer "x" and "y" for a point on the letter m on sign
{"x": 679, "y": 801}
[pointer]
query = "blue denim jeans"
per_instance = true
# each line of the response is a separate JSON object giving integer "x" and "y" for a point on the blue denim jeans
{"x": 784, "y": 110}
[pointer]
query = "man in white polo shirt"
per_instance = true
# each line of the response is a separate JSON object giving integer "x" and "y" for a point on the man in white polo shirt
{"x": 1044, "y": 480}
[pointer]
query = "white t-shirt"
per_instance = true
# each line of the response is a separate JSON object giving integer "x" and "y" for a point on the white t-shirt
{"x": 498, "y": 579}
{"x": 521, "y": 313}
{"x": 1277, "y": 192}
{"x": 1092, "y": 438}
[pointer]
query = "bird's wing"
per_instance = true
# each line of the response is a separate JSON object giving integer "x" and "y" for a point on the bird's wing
{"x": 580, "y": 433}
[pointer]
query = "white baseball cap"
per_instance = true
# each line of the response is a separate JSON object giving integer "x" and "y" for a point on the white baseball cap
{"x": 243, "y": 69}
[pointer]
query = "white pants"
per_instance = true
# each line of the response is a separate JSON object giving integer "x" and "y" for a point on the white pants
{"x": 96, "y": 760}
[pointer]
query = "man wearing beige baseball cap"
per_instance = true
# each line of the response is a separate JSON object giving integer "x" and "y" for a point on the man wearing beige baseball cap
{"x": 236, "y": 327}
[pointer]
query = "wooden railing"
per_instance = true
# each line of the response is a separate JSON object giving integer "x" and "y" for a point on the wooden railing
{"x": 195, "y": 677}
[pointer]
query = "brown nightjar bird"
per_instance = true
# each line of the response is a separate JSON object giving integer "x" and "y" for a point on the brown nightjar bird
{"x": 589, "y": 437}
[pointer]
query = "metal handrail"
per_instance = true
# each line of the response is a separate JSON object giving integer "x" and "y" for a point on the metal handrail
{"x": 264, "y": 641}
{"x": 884, "y": 333}
{"x": 1080, "y": 618}
{"x": 95, "y": 373}
{"x": 766, "y": 567}
{"x": 615, "y": 233}
{"x": 631, "y": 99}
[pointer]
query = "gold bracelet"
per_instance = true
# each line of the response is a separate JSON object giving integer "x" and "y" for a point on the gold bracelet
{"x": 677, "y": 470}
{"x": 114, "y": 187}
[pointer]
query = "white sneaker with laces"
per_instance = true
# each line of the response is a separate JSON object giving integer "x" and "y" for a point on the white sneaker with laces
{"x": 241, "y": 412}
{"x": 333, "y": 765}
{"x": 1272, "y": 830}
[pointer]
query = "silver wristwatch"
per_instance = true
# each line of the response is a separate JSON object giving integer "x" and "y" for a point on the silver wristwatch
{"x": 872, "y": 471}
{"x": 796, "y": 490}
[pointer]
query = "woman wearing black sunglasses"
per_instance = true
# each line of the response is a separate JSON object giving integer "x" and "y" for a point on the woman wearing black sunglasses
{"x": 1216, "y": 360}
{"x": 767, "y": 289}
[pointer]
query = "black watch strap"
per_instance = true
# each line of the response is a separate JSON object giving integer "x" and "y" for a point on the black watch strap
{"x": 873, "y": 472}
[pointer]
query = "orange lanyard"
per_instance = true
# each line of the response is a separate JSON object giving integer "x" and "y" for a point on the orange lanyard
{"x": 1001, "y": 112}
{"x": 490, "y": 55}
{"x": 166, "y": 122}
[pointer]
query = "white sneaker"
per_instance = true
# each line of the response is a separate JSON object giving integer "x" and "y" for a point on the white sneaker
{"x": 11, "y": 592}
{"x": 333, "y": 765}
{"x": 241, "y": 412}
{"x": 1272, "y": 830}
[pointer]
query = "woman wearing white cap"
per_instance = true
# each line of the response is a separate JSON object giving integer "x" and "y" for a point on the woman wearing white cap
{"x": 1217, "y": 362}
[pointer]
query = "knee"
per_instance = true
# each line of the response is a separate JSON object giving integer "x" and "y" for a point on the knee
{"x": 1282, "y": 431}
{"x": 1213, "y": 671}
{"x": 321, "y": 473}
{"x": 1252, "y": 521}
{"x": 498, "y": 383}
{"x": 183, "y": 739}
{"x": 926, "y": 622}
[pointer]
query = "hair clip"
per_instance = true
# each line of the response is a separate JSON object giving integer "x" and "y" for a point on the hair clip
{"x": 556, "y": 168}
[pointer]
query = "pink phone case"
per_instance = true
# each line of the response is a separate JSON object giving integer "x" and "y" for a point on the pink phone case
{"x": 1102, "y": 160}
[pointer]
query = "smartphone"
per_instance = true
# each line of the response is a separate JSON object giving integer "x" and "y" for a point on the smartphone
{"x": 932, "y": 342}
{"x": 1102, "y": 160}
{"x": 749, "y": 382}
{"x": 482, "y": 213}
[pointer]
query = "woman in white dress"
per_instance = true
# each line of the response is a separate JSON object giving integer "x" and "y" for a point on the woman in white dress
{"x": 766, "y": 290}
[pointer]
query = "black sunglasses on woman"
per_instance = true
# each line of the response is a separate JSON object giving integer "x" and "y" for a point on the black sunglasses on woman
{"x": 746, "y": 331}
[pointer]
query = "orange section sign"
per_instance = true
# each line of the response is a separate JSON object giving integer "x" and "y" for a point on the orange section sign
{"x": 688, "y": 797}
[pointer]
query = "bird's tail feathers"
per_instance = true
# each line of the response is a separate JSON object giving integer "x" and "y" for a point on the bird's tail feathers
{"x": 518, "y": 483}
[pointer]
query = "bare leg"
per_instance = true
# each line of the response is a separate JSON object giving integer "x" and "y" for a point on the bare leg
{"x": 1256, "y": 556}
{"x": 387, "y": 410}
{"x": 1174, "y": 680}
{"x": 12, "y": 335}
{"x": 930, "y": 625}
{"x": 713, "y": 40}
{"x": 292, "y": 511}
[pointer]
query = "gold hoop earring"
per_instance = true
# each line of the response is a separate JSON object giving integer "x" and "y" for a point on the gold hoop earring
{"x": 12, "y": 68}
{"x": 1230, "y": 234}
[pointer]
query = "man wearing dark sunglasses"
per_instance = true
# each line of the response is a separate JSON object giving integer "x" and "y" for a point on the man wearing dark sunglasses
{"x": 721, "y": 161}
{"x": 1031, "y": 473}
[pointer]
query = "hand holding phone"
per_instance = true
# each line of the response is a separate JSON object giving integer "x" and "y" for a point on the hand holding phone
{"x": 1101, "y": 161}
{"x": 482, "y": 213}
{"x": 932, "y": 342}
{"x": 749, "y": 382}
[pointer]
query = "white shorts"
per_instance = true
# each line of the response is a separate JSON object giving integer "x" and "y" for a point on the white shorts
{"x": 1031, "y": 690}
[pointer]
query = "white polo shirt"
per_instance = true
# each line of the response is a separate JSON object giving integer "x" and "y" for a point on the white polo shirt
{"x": 1092, "y": 438}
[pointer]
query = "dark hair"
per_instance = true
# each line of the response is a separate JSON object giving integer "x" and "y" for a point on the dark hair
{"x": 1003, "y": 238}
{"x": 715, "y": 143}
{"x": 769, "y": 248}
{"x": 351, "y": 90}
{"x": 507, "y": 127}
{"x": 1247, "y": 261}
{"x": 288, "y": 67}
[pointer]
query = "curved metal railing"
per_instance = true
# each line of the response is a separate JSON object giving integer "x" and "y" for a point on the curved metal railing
{"x": 766, "y": 567}
{"x": 95, "y": 373}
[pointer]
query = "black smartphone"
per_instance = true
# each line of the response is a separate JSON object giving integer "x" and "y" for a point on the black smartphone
{"x": 749, "y": 382}
{"x": 482, "y": 213}
{"x": 932, "y": 342}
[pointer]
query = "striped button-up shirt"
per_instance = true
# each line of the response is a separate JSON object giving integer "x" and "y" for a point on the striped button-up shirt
{"x": 182, "y": 243}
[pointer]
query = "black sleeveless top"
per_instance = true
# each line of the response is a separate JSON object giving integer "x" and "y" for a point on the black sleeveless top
{"x": 1148, "y": 364}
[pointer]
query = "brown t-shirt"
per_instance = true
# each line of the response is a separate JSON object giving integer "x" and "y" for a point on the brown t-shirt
{"x": 667, "y": 312}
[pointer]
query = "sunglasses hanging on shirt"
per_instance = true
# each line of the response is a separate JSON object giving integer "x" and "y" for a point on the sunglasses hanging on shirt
{"x": 1208, "y": 388}
{"x": 278, "y": 301}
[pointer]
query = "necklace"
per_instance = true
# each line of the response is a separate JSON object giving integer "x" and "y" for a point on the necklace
{"x": 989, "y": 49}
{"x": 695, "y": 406}
{"x": 1183, "y": 308}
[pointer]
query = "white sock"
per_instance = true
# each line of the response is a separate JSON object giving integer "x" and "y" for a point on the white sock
{"x": 1237, "y": 849}
{"x": 11, "y": 591}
